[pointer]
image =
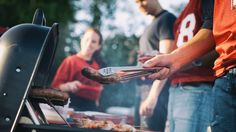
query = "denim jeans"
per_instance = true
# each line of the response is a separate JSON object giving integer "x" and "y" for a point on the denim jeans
{"x": 190, "y": 107}
{"x": 224, "y": 92}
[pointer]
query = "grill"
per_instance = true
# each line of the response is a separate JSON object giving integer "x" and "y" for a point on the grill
{"x": 26, "y": 56}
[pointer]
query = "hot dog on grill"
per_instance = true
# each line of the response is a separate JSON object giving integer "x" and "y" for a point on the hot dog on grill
{"x": 49, "y": 93}
{"x": 96, "y": 76}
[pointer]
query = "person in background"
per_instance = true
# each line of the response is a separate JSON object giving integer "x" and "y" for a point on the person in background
{"x": 221, "y": 37}
{"x": 190, "y": 94}
{"x": 84, "y": 93}
{"x": 157, "y": 36}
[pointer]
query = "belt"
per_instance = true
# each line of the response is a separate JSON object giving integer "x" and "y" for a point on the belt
{"x": 232, "y": 71}
{"x": 195, "y": 84}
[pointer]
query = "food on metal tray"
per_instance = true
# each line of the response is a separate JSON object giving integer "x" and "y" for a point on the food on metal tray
{"x": 105, "y": 125}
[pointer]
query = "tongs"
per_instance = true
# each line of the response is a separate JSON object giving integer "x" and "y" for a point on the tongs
{"x": 128, "y": 72}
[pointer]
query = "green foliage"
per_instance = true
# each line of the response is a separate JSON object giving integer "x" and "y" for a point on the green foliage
{"x": 120, "y": 50}
{"x": 13, "y": 12}
{"x": 99, "y": 10}
{"x": 178, "y": 9}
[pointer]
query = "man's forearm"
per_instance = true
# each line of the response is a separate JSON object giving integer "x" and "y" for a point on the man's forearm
{"x": 199, "y": 45}
{"x": 156, "y": 89}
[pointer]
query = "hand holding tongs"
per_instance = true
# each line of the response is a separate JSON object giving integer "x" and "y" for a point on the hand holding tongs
{"x": 128, "y": 72}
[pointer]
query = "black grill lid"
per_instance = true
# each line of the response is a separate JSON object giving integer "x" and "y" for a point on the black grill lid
{"x": 26, "y": 55}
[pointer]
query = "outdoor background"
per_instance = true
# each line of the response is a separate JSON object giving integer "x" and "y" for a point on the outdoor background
{"x": 120, "y": 22}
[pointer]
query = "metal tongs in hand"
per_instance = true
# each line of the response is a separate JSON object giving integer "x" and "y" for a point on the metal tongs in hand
{"x": 128, "y": 72}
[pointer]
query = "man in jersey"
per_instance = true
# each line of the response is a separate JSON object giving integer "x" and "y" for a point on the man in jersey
{"x": 158, "y": 35}
{"x": 190, "y": 92}
{"x": 223, "y": 34}
{"x": 191, "y": 88}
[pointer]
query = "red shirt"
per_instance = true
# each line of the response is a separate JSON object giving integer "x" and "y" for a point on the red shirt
{"x": 2, "y": 30}
{"x": 70, "y": 70}
{"x": 186, "y": 26}
{"x": 224, "y": 30}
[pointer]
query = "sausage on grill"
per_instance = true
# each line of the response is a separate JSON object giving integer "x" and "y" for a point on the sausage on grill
{"x": 96, "y": 76}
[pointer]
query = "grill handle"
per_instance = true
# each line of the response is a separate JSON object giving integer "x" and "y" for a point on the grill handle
{"x": 39, "y": 18}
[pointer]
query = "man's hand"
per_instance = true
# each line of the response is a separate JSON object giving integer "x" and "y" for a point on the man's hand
{"x": 70, "y": 86}
{"x": 167, "y": 61}
{"x": 142, "y": 57}
{"x": 147, "y": 107}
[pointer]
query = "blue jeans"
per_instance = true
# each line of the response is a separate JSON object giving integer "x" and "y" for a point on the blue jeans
{"x": 190, "y": 107}
{"x": 224, "y": 92}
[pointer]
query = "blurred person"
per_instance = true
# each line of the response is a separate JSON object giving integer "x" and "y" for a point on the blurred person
{"x": 221, "y": 37}
{"x": 157, "y": 36}
{"x": 84, "y": 93}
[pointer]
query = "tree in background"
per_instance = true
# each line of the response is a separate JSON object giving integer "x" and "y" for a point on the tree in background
{"x": 95, "y": 10}
{"x": 13, "y": 12}
{"x": 121, "y": 49}
{"x": 178, "y": 8}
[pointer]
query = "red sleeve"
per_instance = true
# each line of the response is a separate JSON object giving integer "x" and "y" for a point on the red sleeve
{"x": 62, "y": 74}
{"x": 70, "y": 70}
